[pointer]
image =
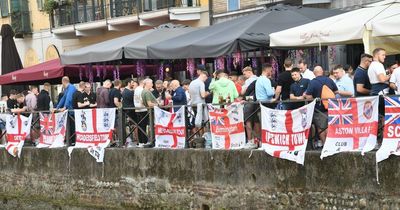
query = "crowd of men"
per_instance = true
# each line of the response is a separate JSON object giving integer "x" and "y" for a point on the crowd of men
{"x": 296, "y": 82}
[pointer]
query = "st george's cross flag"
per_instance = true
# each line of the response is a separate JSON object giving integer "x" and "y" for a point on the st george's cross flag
{"x": 170, "y": 129}
{"x": 391, "y": 134}
{"x": 227, "y": 126}
{"x": 18, "y": 127}
{"x": 93, "y": 129}
{"x": 285, "y": 132}
{"x": 52, "y": 129}
{"x": 352, "y": 125}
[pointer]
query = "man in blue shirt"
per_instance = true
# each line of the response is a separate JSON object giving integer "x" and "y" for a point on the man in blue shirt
{"x": 298, "y": 88}
{"x": 264, "y": 91}
{"x": 178, "y": 96}
{"x": 362, "y": 86}
{"x": 66, "y": 100}
{"x": 314, "y": 90}
{"x": 66, "y": 103}
{"x": 343, "y": 82}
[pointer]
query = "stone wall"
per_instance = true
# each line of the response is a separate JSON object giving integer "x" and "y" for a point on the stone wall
{"x": 194, "y": 179}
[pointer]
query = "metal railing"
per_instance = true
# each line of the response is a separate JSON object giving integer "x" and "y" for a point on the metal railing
{"x": 82, "y": 11}
{"x": 139, "y": 125}
{"x": 119, "y": 8}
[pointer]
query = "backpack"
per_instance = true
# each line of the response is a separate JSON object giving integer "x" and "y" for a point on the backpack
{"x": 326, "y": 93}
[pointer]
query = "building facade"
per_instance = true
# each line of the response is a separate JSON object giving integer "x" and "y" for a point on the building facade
{"x": 223, "y": 10}
{"x": 44, "y": 30}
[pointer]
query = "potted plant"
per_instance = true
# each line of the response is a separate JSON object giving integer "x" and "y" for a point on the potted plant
{"x": 50, "y": 6}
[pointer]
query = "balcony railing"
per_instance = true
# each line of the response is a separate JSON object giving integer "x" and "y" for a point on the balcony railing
{"x": 154, "y": 5}
{"x": 86, "y": 11}
{"x": 119, "y": 8}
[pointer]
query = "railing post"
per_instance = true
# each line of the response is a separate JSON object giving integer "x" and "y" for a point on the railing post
{"x": 103, "y": 9}
{"x": 68, "y": 132}
{"x": 84, "y": 11}
{"x": 151, "y": 124}
{"x": 187, "y": 120}
{"x": 75, "y": 12}
{"x": 121, "y": 127}
{"x": 93, "y": 11}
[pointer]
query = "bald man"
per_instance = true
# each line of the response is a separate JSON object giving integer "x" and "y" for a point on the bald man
{"x": 178, "y": 95}
{"x": 102, "y": 95}
{"x": 320, "y": 119}
{"x": 66, "y": 101}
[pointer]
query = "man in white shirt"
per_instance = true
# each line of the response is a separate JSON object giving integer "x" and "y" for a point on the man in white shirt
{"x": 395, "y": 80}
{"x": 377, "y": 74}
{"x": 250, "y": 78}
{"x": 140, "y": 113}
{"x": 305, "y": 72}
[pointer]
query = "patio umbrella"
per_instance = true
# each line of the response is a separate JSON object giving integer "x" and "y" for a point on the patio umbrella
{"x": 10, "y": 60}
{"x": 245, "y": 33}
{"x": 133, "y": 46}
{"x": 370, "y": 25}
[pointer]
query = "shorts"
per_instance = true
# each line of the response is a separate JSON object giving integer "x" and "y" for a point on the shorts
{"x": 248, "y": 110}
{"x": 320, "y": 119}
{"x": 192, "y": 117}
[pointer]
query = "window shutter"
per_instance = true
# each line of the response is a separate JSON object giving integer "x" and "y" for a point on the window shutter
{"x": 4, "y": 8}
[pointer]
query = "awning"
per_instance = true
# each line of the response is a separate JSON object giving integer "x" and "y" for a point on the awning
{"x": 356, "y": 26}
{"x": 40, "y": 72}
{"x": 133, "y": 46}
{"x": 249, "y": 32}
{"x": 52, "y": 71}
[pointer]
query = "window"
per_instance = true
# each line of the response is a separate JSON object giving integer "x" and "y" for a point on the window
{"x": 4, "y": 8}
{"x": 40, "y": 4}
{"x": 233, "y": 5}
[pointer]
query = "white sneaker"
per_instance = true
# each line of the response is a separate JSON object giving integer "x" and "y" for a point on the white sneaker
{"x": 140, "y": 145}
{"x": 131, "y": 145}
{"x": 250, "y": 145}
{"x": 319, "y": 143}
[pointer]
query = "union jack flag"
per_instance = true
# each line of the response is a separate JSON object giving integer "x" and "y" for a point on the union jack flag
{"x": 47, "y": 124}
{"x": 340, "y": 112}
{"x": 392, "y": 110}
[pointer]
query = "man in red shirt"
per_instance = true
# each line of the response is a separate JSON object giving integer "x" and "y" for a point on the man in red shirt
{"x": 234, "y": 78}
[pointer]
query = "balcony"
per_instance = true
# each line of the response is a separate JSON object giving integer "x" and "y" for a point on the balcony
{"x": 90, "y": 17}
{"x": 185, "y": 10}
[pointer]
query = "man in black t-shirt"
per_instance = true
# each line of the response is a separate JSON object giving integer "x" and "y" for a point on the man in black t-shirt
{"x": 77, "y": 98}
{"x": 12, "y": 99}
{"x": 115, "y": 95}
{"x": 362, "y": 86}
{"x": 127, "y": 94}
{"x": 20, "y": 105}
{"x": 43, "y": 102}
{"x": 284, "y": 82}
{"x": 89, "y": 96}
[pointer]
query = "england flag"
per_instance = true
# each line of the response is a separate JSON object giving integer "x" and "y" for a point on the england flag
{"x": 285, "y": 132}
{"x": 18, "y": 127}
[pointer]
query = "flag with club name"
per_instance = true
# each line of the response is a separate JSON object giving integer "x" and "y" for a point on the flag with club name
{"x": 52, "y": 129}
{"x": 18, "y": 127}
{"x": 227, "y": 126}
{"x": 170, "y": 128}
{"x": 285, "y": 132}
{"x": 352, "y": 125}
{"x": 94, "y": 129}
{"x": 391, "y": 133}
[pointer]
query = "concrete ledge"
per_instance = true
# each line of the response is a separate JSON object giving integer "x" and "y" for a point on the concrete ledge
{"x": 156, "y": 178}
